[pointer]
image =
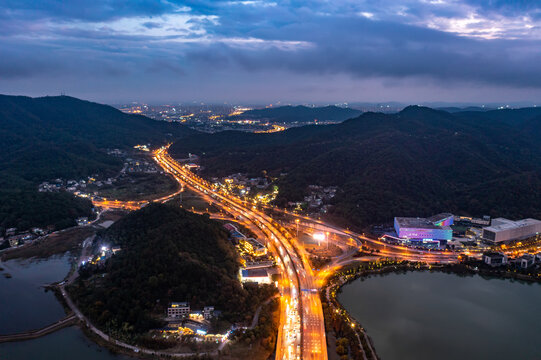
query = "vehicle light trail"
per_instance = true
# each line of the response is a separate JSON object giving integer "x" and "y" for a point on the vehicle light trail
{"x": 132, "y": 205}
{"x": 301, "y": 330}
{"x": 302, "y": 324}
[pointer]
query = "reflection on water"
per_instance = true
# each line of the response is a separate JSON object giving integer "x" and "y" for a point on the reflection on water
{"x": 66, "y": 344}
{"x": 423, "y": 315}
{"x": 24, "y": 304}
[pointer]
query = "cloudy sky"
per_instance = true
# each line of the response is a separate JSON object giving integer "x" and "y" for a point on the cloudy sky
{"x": 265, "y": 51}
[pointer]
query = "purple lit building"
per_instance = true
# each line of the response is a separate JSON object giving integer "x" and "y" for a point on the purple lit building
{"x": 434, "y": 228}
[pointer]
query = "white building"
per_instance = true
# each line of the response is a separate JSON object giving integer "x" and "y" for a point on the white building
{"x": 178, "y": 309}
{"x": 260, "y": 276}
{"x": 494, "y": 259}
{"x": 208, "y": 312}
{"x": 502, "y": 230}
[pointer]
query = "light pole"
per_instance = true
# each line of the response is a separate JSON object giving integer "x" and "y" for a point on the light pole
{"x": 297, "y": 222}
{"x": 327, "y": 239}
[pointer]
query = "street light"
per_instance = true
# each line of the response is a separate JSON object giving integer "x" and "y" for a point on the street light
{"x": 327, "y": 239}
{"x": 319, "y": 237}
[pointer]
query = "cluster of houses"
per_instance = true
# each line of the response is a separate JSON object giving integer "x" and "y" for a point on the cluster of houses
{"x": 243, "y": 180}
{"x": 139, "y": 166}
{"x": 13, "y": 238}
{"x": 131, "y": 165}
{"x": 317, "y": 200}
{"x": 257, "y": 264}
{"x": 116, "y": 152}
{"x": 72, "y": 185}
{"x": 182, "y": 320}
{"x": 525, "y": 261}
{"x": 98, "y": 259}
{"x": 241, "y": 185}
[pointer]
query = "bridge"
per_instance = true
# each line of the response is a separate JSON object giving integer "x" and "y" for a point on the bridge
{"x": 318, "y": 227}
{"x": 32, "y": 334}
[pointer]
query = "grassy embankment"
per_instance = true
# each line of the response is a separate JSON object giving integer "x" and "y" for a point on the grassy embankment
{"x": 53, "y": 244}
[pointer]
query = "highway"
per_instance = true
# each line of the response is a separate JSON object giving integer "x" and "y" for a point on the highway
{"x": 302, "y": 334}
{"x": 384, "y": 248}
{"x": 132, "y": 205}
{"x": 301, "y": 330}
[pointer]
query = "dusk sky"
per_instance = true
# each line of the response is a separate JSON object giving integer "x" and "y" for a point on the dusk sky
{"x": 266, "y": 51}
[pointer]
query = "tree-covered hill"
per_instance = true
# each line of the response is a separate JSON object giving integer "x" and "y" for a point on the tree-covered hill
{"x": 62, "y": 137}
{"x": 300, "y": 114}
{"x": 413, "y": 163}
{"x": 168, "y": 254}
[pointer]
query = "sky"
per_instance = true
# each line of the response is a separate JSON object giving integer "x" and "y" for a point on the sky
{"x": 154, "y": 51}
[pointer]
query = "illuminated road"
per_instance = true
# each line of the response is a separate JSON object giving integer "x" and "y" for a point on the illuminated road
{"x": 132, "y": 205}
{"x": 384, "y": 248}
{"x": 302, "y": 330}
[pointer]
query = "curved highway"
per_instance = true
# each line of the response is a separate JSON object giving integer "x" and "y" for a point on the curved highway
{"x": 301, "y": 321}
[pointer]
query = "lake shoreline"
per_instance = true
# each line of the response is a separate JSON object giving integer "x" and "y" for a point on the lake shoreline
{"x": 346, "y": 326}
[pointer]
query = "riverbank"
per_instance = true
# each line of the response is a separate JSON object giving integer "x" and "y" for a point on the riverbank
{"x": 61, "y": 242}
{"x": 344, "y": 326}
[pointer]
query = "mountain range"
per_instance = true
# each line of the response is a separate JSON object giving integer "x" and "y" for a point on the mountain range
{"x": 62, "y": 137}
{"x": 417, "y": 162}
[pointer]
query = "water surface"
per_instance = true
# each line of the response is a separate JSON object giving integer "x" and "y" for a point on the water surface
{"x": 65, "y": 344}
{"x": 24, "y": 304}
{"x": 422, "y": 315}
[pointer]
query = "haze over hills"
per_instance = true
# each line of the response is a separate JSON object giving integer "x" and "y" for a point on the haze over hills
{"x": 300, "y": 114}
{"x": 454, "y": 109}
{"x": 50, "y": 137}
{"x": 413, "y": 163}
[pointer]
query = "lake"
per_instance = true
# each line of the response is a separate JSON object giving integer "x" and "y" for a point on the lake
{"x": 65, "y": 344}
{"x": 423, "y": 315}
{"x": 24, "y": 305}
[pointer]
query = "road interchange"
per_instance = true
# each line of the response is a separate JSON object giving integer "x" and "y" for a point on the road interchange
{"x": 301, "y": 328}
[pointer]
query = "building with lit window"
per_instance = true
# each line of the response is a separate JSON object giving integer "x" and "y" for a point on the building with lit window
{"x": 208, "y": 312}
{"x": 432, "y": 229}
{"x": 253, "y": 247}
{"x": 504, "y": 230}
{"x": 178, "y": 309}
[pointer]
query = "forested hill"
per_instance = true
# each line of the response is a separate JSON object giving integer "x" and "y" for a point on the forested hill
{"x": 300, "y": 114}
{"x": 62, "y": 120}
{"x": 62, "y": 137}
{"x": 413, "y": 163}
{"x": 168, "y": 254}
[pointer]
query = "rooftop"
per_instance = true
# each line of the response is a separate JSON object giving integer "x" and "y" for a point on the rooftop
{"x": 493, "y": 254}
{"x": 179, "y": 304}
{"x": 254, "y": 273}
{"x": 500, "y": 224}
{"x": 423, "y": 223}
{"x": 255, "y": 243}
{"x": 439, "y": 217}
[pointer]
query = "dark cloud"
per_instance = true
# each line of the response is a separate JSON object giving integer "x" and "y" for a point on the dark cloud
{"x": 215, "y": 44}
